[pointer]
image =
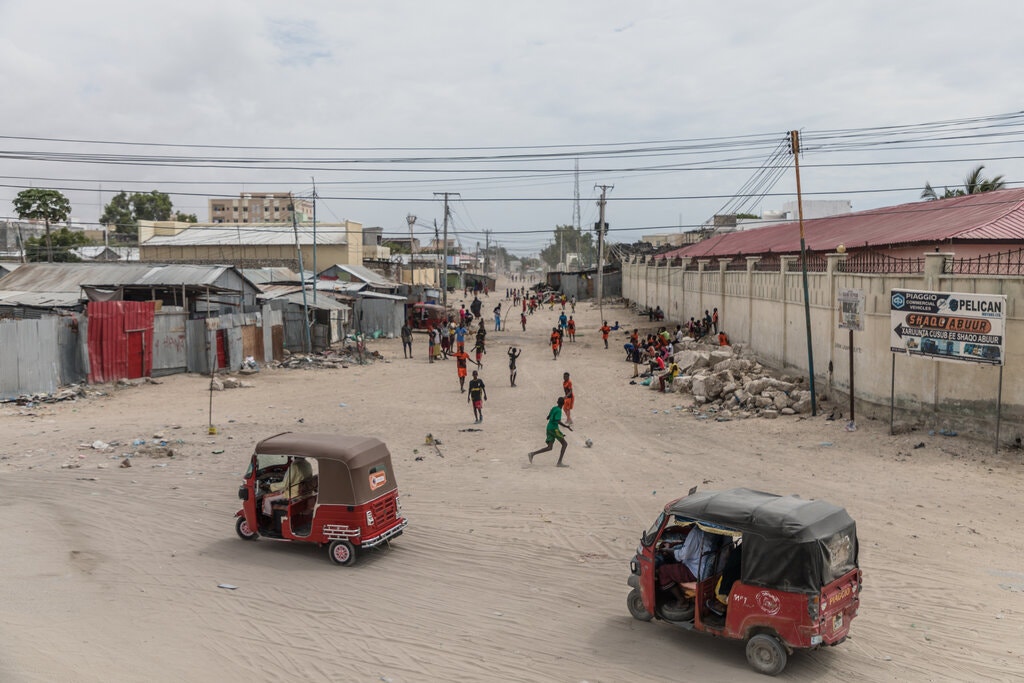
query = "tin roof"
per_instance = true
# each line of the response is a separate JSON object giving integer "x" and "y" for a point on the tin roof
{"x": 250, "y": 234}
{"x": 366, "y": 275}
{"x": 60, "y": 284}
{"x": 262, "y": 276}
{"x": 990, "y": 216}
{"x": 293, "y": 294}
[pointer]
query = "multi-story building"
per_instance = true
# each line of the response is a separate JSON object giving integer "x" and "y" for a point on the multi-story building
{"x": 260, "y": 207}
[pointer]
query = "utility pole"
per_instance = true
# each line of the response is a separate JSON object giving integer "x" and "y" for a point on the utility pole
{"x": 576, "y": 211}
{"x": 794, "y": 139}
{"x": 444, "y": 265}
{"x": 487, "y": 251}
{"x": 411, "y": 220}
{"x": 316, "y": 273}
{"x": 602, "y": 227}
{"x": 302, "y": 276}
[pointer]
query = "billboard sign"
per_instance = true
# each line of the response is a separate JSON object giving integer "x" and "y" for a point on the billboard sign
{"x": 851, "y": 309}
{"x": 948, "y": 325}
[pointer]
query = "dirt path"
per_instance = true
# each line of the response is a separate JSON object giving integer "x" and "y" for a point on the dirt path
{"x": 507, "y": 572}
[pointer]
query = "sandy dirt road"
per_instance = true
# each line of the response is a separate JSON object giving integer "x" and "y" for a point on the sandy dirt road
{"x": 507, "y": 572}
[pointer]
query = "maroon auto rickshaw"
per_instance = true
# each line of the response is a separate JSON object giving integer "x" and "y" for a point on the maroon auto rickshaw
{"x": 427, "y": 316}
{"x": 328, "y": 489}
{"x": 778, "y": 572}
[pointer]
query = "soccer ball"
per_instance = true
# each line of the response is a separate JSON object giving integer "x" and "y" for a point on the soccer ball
{"x": 589, "y": 442}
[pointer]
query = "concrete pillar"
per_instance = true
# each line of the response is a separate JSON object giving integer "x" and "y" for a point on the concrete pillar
{"x": 751, "y": 262}
{"x": 702, "y": 265}
{"x": 831, "y": 268}
{"x": 934, "y": 268}
{"x": 784, "y": 262}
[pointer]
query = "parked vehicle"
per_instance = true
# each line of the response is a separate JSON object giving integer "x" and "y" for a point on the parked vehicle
{"x": 422, "y": 316}
{"x": 334, "y": 490}
{"x": 778, "y": 572}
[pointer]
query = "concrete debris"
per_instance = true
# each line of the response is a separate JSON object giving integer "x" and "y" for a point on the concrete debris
{"x": 329, "y": 359}
{"x": 724, "y": 382}
{"x": 69, "y": 393}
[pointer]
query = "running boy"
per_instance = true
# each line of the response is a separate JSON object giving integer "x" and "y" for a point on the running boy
{"x": 553, "y": 434}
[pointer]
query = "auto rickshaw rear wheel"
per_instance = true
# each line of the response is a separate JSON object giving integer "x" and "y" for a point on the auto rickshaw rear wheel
{"x": 244, "y": 531}
{"x": 635, "y": 603}
{"x": 342, "y": 552}
{"x": 766, "y": 654}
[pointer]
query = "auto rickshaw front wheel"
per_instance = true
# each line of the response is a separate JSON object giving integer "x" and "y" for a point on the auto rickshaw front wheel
{"x": 245, "y": 532}
{"x": 342, "y": 552}
{"x": 766, "y": 654}
{"x": 635, "y": 603}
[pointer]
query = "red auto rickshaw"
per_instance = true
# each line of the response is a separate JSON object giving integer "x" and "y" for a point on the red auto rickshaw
{"x": 778, "y": 572}
{"x": 427, "y": 316}
{"x": 328, "y": 489}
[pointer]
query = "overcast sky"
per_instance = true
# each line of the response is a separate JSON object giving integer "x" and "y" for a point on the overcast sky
{"x": 400, "y": 90}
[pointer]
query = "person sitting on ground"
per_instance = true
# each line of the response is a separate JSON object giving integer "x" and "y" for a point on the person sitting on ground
{"x": 668, "y": 377}
{"x": 298, "y": 471}
{"x": 723, "y": 338}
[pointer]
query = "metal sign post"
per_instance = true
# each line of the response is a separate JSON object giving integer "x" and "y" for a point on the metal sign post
{"x": 851, "y": 317}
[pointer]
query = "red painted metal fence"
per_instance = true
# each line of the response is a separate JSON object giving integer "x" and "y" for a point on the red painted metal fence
{"x": 120, "y": 340}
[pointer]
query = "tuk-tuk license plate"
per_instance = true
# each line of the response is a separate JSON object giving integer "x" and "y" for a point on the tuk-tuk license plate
{"x": 837, "y": 622}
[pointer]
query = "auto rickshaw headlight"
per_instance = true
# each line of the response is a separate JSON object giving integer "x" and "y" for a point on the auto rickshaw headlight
{"x": 369, "y": 518}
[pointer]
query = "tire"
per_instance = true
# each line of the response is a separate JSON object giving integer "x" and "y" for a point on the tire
{"x": 766, "y": 654}
{"x": 635, "y": 603}
{"x": 342, "y": 553}
{"x": 244, "y": 531}
{"x": 671, "y": 612}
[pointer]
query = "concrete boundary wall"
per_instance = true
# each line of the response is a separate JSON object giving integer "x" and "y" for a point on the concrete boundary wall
{"x": 764, "y": 311}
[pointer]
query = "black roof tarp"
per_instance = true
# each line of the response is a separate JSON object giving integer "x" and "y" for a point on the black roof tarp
{"x": 789, "y": 543}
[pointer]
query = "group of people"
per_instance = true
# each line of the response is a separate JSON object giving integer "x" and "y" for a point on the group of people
{"x": 655, "y": 351}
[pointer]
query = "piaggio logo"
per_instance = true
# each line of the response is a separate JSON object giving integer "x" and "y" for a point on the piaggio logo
{"x": 768, "y": 603}
{"x": 898, "y": 301}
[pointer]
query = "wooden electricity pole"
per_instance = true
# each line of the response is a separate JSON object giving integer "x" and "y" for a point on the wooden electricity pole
{"x": 444, "y": 264}
{"x": 794, "y": 138}
{"x": 602, "y": 227}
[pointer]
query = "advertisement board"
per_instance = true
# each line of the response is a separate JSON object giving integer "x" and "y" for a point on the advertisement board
{"x": 953, "y": 326}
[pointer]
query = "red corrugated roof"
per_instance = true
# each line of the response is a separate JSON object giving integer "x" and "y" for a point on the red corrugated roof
{"x": 991, "y": 216}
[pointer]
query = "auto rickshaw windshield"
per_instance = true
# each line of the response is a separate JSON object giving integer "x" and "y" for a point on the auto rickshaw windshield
{"x": 263, "y": 461}
{"x": 652, "y": 533}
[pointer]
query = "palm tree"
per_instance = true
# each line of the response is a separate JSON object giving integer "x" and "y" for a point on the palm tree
{"x": 974, "y": 183}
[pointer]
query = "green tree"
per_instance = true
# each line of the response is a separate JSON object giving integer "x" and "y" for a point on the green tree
{"x": 119, "y": 214}
{"x": 398, "y": 247}
{"x": 59, "y": 248}
{"x": 974, "y": 183}
{"x": 125, "y": 211}
{"x": 569, "y": 240}
{"x": 49, "y": 206}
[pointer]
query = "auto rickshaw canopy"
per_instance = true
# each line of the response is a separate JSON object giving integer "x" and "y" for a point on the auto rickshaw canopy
{"x": 789, "y": 543}
{"x": 352, "y": 469}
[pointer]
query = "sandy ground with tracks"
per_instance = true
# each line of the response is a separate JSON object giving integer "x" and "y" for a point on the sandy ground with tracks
{"x": 507, "y": 572}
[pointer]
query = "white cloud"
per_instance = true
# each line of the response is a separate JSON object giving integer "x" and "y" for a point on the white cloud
{"x": 465, "y": 74}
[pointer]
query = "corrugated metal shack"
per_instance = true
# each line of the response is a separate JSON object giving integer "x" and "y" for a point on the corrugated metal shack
{"x": 46, "y": 338}
{"x": 583, "y": 284}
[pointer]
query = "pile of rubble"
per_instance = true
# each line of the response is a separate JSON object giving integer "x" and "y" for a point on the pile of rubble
{"x": 729, "y": 385}
{"x": 69, "y": 393}
{"x": 329, "y": 359}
